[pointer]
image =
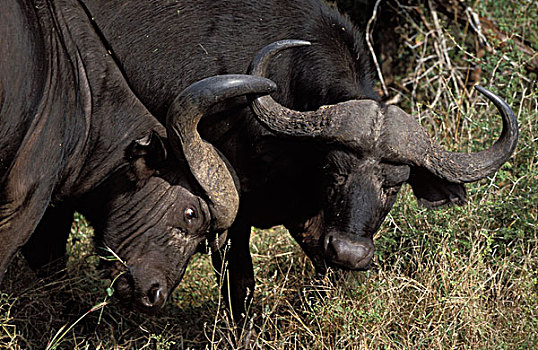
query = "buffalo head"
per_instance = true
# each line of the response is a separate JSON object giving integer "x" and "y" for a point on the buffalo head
{"x": 372, "y": 150}
{"x": 179, "y": 192}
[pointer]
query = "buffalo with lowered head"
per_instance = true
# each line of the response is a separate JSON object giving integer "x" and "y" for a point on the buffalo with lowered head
{"x": 73, "y": 136}
{"x": 327, "y": 160}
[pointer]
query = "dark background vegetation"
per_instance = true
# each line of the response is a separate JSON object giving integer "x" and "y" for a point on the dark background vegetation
{"x": 457, "y": 278}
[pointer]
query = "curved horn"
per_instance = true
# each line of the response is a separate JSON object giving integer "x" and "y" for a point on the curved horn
{"x": 404, "y": 140}
{"x": 277, "y": 118}
{"x": 205, "y": 162}
{"x": 331, "y": 122}
{"x": 360, "y": 124}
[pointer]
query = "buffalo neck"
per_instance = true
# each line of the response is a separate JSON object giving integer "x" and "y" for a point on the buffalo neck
{"x": 94, "y": 112}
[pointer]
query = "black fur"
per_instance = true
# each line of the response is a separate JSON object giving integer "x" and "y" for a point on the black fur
{"x": 317, "y": 190}
{"x": 73, "y": 136}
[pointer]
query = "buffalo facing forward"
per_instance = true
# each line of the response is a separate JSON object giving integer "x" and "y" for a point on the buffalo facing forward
{"x": 379, "y": 148}
{"x": 329, "y": 174}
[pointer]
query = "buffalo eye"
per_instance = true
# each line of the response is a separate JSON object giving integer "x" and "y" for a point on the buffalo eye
{"x": 190, "y": 214}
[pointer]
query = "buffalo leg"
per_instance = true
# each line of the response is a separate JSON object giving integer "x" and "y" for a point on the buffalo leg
{"x": 19, "y": 216}
{"x": 238, "y": 282}
{"x": 48, "y": 242}
{"x": 17, "y": 223}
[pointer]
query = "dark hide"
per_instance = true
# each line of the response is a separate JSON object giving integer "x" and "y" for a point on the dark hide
{"x": 74, "y": 137}
{"x": 329, "y": 198}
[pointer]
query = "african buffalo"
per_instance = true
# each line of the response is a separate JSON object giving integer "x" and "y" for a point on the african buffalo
{"x": 73, "y": 136}
{"x": 331, "y": 184}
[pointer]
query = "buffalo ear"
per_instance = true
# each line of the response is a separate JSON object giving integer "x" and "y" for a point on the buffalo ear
{"x": 147, "y": 154}
{"x": 433, "y": 191}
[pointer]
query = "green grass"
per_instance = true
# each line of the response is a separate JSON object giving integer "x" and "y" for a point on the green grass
{"x": 457, "y": 278}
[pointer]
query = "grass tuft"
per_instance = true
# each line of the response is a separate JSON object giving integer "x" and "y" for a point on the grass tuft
{"x": 457, "y": 278}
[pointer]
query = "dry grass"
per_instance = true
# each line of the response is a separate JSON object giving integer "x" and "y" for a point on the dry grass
{"x": 457, "y": 278}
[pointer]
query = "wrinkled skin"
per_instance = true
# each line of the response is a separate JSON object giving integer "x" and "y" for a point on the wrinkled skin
{"x": 75, "y": 137}
{"x": 332, "y": 199}
{"x": 154, "y": 231}
{"x": 146, "y": 217}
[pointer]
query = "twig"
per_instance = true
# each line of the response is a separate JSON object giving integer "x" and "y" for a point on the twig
{"x": 474, "y": 20}
{"x": 371, "y": 48}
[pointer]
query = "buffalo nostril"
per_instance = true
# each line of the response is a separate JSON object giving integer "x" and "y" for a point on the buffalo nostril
{"x": 155, "y": 297}
{"x": 348, "y": 251}
{"x": 328, "y": 244}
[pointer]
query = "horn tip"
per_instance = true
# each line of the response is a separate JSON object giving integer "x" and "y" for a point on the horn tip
{"x": 481, "y": 89}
